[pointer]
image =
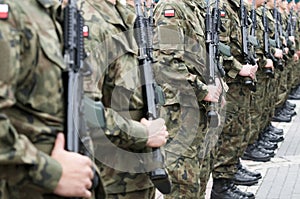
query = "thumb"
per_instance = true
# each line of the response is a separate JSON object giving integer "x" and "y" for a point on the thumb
{"x": 59, "y": 142}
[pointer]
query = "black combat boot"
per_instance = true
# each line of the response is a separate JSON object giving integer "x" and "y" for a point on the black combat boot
{"x": 275, "y": 130}
{"x": 288, "y": 103}
{"x": 243, "y": 178}
{"x": 268, "y": 136}
{"x": 253, "y": 153}
{"x": 225, "y": 189}
{"x": 267, "y": 144}
{"x": 251, "y": 173}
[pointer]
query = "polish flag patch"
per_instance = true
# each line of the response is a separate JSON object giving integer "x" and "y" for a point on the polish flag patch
{"x": 85, "y": 31}
{"x": 222, "y": 13}
{"x": 4, "y": 11}
{"x": 169, "y": 13}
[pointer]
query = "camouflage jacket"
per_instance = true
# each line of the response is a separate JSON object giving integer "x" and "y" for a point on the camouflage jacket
{"x": 260, "y": 38}
{"x": 31, "y": 90}
{"x": 112, "y": 52}
{"x": 179, "y": 48}
{"x": 232, "y": 37}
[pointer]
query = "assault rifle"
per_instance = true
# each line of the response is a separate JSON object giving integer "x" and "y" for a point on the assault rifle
{"x": 152, "y": 93}
{"x": 247, "y": 56}
{"x": 77, "y": 136}
{"x": 212, "y": 29}
{"x": 278, "y": 44}
{"x": 290, "y": 31}
{"x": 267, "y": 50}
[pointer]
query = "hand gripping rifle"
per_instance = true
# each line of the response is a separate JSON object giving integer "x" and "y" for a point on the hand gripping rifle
{"x": 77, "y": 137}
{"x": 278, "y": 44}
{"x": 212, "y": 28}
{"x": 267, "y": 50}
{"x": 152, "y": 93}
{"x": 247, "y": 56}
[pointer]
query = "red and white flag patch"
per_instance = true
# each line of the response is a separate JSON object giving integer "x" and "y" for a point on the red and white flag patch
{"x": 169, "y": 13}
{"x": 85, "y": 31}
{"x": 222, "y": 13}
{"x": 4, "y": 10}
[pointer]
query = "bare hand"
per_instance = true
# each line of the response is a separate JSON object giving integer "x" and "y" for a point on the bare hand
{"x": 296, "y": 57}
{"x": 278, "y": 53}
{"x": 286, "y": 50}
{"x": 292, "y": 38}
{"x": 214, "y": 91}
{"x": 77, "y": 171}
{"x": 269, "y": 64}
{"x": 157, "y": 132}
{"x": 64, "y": 3}
{"x": 248, "y": 71}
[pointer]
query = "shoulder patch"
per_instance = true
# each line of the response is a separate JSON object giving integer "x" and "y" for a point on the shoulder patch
{"x": 85, "y": 31}
{"x": 4, "y": 10}
{"x": 222, "y": 13}
{"x": 169, "y": 13}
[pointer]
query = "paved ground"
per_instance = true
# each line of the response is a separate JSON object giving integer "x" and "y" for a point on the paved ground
{"x": 281, "y": 176}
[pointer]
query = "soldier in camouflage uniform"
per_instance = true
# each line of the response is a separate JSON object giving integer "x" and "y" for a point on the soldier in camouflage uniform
{"x": 33, "y": 162}
{"x": 181, "y": 71}
{"x": 237, "y": 110}
{"x": 112, "y": 52}
{"x": 295, "y": 91}
{"x": 258, "y": 150}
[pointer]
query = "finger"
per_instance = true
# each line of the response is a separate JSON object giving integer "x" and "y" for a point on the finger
{"x": 89, "y": 184}
{"x": 87, "y": 194}
{"x": 59, "y": 142}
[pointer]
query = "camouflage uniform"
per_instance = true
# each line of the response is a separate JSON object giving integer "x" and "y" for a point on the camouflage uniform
{"x": 31, "y": 107}
{"x": 259, "y": 99}
{"x": 283, "y": 88}
{"x": 116, "y": 81}
{"x": 180, "y": 70}
{"x": 238, "y": 98}
{"x": 296, "y": 69}
{"x": 271, "y": 89}
{"x": 289, "y": 61}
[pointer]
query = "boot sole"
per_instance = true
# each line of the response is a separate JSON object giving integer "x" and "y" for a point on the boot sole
{"x": 256, "y": 159}
{"x": 245, "y": 183}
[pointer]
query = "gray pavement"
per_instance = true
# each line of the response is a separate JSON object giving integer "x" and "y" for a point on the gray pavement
{"x": 281, "y": 175}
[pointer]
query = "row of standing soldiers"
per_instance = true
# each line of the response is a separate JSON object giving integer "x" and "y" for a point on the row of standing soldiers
{"x": 225, "y": 68}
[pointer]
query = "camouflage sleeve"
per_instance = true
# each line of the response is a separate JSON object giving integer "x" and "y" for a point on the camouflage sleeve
{"x": 20, "y": 159}
{"x": 125, "y": 133}
{"x": 260, "y": 38}
{"x": 231, "y": 37}
{"x": 171, "y": 70}
{"x": 297, "y": 36}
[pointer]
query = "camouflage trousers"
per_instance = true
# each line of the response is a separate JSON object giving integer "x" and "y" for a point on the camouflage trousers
{"x": 187, "y": 129}
{"x": 290, "y": 75}
{"x": 258, "y": 104}
{"x": 234, "y": 131}
{"x": 141, "y": 194}
{"x": 295, "y": 74}
{"x": 207, "y": 164}
{"x": 282, "y": 89}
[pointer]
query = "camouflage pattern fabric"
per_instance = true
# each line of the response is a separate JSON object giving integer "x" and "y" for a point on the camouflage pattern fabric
{"x": 180, "y": 70}
{"x": 259, "y": 99}
{"x": 238, "y": 98}
{"x": 142, "y": 194}
{"x": 112, "y": 53}
{"x": 31, "y": 105}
